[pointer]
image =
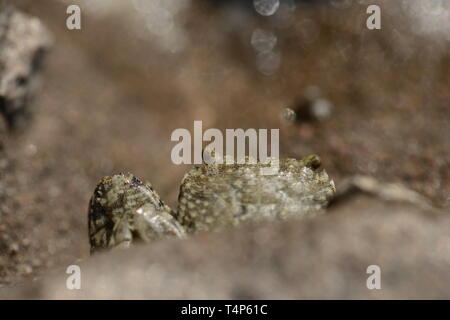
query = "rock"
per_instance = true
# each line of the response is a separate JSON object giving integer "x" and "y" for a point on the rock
{"x": 23, "y": 44}
{"x": 25, "y": 269}
{"x": 324, "y": 257}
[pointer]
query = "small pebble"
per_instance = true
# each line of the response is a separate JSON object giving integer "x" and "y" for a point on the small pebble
{"x": 288, "y": 116}
{"x": 25, "y": 269}
{"x": 13, "y": 248}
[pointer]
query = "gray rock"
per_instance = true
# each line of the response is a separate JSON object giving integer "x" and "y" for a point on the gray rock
{"x": 23, "y": 43}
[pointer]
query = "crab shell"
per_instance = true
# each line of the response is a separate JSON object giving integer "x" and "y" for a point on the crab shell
{"x": 216, "y": 196}
{"x": 124, "y": 209}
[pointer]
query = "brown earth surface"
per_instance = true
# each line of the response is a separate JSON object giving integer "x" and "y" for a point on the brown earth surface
{"x": 321, "y": 258}
{"x": 111, "y": 100}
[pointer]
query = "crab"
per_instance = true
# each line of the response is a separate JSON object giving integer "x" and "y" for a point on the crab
{"x": 124, "y": 210}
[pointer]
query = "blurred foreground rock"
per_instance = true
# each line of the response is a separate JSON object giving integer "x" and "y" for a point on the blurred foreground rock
{"x": 23, "y": 43}
{"x": 325, "y": 257}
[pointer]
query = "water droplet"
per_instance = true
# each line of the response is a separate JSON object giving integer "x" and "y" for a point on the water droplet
{"x": 268, "y": 62}
{"x": 263, "y": 40}
{"x": 266, "y": 7}
{"x": 321, "y": 109}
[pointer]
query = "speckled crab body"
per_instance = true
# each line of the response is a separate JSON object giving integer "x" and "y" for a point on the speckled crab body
{"x": 124, "y": 210}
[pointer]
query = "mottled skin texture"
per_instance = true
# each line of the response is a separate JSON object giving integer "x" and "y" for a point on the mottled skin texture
{"x": 123, "y": 209}
{"x": 212, "y": 197}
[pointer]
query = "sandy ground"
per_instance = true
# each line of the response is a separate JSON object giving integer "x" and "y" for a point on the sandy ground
{"x": 112, "y": 97}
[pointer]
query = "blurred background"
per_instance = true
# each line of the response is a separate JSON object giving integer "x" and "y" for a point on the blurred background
{"x": 373, "y": 102}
